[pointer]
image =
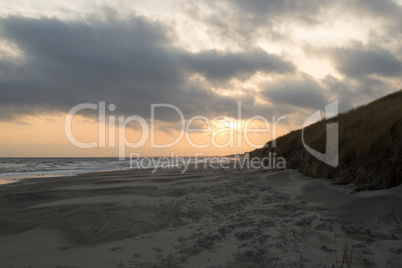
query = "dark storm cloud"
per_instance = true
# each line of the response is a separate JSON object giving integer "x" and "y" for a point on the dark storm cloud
{"x": 358, "y": 92}
{"x": 215, "y": 65}
{"x": 131, "y": 63}
{"x": 269, "y": 10}
{"x": 301, "y": 91}
{"x": 358, "y": 61}
{"x": 385, "y": 10}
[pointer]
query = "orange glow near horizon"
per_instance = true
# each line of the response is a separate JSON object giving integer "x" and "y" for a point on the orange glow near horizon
{"x": 44, "y": 136}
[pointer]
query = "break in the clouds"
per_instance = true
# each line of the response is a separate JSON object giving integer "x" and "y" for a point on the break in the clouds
{"x": 201, "y": 57}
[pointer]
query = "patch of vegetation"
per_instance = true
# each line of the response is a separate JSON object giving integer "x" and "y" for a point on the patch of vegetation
{"x": 370, "y": 146}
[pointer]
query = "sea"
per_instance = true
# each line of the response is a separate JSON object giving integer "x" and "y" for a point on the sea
{"x": 18, "y": 169}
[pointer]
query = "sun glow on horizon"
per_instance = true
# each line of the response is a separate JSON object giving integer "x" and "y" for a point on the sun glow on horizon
{"x": 44, "y": 136}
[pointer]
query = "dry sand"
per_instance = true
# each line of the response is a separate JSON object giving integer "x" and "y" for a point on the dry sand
{"x": 203, "y": 218}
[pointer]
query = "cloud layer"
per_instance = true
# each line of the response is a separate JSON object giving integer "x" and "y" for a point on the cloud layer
{"x": 135, "y": 61}
{"x": 130, "y": 63}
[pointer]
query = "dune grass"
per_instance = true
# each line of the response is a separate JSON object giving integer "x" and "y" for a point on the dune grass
{"x": 370, "y": 145}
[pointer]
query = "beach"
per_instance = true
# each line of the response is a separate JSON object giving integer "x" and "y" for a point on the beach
{"x": 200, "y": 218}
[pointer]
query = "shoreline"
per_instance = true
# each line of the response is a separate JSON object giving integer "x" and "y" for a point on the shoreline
{"x": 155, "y": 164}
{"x": 202, "y": 218}
{"x": 66, "y": 169}
{"x": 21, "y": 178}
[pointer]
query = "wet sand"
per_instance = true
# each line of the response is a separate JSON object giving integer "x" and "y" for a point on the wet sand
{"x": 203, "y": 218}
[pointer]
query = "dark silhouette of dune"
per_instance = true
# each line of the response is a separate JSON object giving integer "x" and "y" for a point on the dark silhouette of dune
{"x": 370, "y": 146}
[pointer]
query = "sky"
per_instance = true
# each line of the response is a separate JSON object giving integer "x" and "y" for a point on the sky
{"x": 271, "y": 58}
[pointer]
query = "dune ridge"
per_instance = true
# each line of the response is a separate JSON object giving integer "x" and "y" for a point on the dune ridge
{"x": 370, "y": 146}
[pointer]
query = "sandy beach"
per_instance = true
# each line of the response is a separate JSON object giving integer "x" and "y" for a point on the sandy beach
{"x": 202, "y": 218}
{"x": 211, "y": 134}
